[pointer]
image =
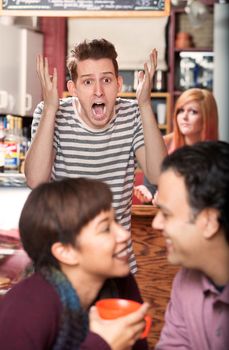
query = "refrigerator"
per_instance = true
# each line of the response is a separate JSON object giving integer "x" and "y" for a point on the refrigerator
{"x": 20, "y": 89}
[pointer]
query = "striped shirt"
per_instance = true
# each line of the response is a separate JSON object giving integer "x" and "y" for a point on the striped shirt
{"x": 106, "y": 154}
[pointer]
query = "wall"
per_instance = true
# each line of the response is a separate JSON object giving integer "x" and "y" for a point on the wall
{"x": 55, "y": 38}
{"x": 221, "y": 69}
{"x": 133, "y": 38}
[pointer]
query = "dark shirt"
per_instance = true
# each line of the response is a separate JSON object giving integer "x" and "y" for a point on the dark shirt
{"x": 151, "y": 187}
{"x": 30, "y": 316}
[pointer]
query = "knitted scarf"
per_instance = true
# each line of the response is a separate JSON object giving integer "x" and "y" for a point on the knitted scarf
{"x": 74, "y": 320}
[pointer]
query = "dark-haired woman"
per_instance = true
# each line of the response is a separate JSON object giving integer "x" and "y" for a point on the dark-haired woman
{"x": 80, "y": 254}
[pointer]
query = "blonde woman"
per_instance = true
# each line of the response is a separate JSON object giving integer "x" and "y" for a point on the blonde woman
{"x": 195, "y": 118}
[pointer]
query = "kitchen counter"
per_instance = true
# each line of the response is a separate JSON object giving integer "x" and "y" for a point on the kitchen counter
{"x": 13, "y": 193}
{"x": 12, "y": 180}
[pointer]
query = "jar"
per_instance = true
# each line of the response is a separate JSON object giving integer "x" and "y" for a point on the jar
{"x": 183, "y": 40}
{"x": 159, "y": 81}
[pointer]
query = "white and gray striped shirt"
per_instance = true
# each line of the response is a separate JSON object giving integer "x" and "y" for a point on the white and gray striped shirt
{"x": 106, "y": 154}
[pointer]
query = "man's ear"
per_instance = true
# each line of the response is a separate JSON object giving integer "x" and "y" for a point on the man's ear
{"x": 210, "y": 223}
{"x": 64, "y": 253}
{"x": 71, "y": 88}
{"x": 120, "y": 83}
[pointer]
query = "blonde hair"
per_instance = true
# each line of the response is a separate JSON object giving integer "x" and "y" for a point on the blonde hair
{"x": 209, "y": 112}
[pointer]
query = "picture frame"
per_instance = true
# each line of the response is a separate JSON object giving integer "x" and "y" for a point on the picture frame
{"x": 89, "y": 8}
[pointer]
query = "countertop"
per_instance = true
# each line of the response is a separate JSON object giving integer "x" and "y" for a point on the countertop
{"x": 12, "y": 180}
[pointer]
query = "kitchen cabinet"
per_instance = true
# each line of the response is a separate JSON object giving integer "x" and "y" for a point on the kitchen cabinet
{"x": 191, "y": 62}
{"x": 20, "y": 89}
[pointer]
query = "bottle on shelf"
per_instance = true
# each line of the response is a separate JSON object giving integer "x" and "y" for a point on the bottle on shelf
{"x": 196, "y": 70}
{"x": 187, "y": 67}
{"x": 159, "y": 81}
{"x": 12, "y": 145}
{"x": 24, "y": 145}
{"x": 2, "y": 145}
{"x": 183, "y": 40}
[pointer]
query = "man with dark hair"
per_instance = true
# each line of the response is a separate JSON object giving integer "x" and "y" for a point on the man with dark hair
{"x": 193, "y": 200}
{"x": 94, "y": 133}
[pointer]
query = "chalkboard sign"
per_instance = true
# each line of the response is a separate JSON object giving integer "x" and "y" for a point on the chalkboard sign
{"x": 85, "y": 8}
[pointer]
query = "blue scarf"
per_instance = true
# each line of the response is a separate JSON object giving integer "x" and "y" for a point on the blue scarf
{"x": 74, "y": 320}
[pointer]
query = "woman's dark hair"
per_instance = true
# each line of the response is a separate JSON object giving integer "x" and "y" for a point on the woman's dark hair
{"x": 56, "y": 212}
{"x": 94, "y": 49}
{"x": 205, "y": 169}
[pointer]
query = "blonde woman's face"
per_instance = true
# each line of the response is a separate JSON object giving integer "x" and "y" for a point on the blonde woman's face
{"x": 190, "y": 120}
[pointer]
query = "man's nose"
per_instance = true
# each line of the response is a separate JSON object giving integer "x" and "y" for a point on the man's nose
{"x": 98, "y": 89}
{"x": 157, "y": 222}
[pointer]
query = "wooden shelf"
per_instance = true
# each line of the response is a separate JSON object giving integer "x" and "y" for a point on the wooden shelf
{"x": 153, "y": 94}
{"x": 132, "y": 94}
{"x": 143, "y": 210}
{"x": 164, "y": 95}
{"x": 194, "y": 49}
{"x": 202, "y": 40}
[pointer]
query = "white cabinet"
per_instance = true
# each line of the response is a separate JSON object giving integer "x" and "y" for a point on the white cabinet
{"x": 20, "y": 89}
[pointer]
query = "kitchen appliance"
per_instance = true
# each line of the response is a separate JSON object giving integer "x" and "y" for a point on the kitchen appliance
{"x": 20, "y": 89}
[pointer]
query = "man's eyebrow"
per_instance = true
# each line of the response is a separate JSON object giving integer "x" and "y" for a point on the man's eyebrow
{"x": 112, "y": 73}
{"x": 91, "y": 74}
{"x": 163, "y": 208}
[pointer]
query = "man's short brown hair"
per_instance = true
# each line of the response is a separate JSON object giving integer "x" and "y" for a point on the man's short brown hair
{"x": 94, "y": 49}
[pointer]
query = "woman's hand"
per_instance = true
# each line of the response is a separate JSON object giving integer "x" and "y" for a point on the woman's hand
{"x": 145, "y": 80}
{"x": 142, "y": 193}
{"x": 154, "y": 200}
{"x": 48, "y": 84}
{"x": 120, "y": 333}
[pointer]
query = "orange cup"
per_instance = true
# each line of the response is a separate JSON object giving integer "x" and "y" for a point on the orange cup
{"x": 113, "y": 308}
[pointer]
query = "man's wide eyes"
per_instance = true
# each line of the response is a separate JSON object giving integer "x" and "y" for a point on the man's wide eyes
{"x": 164, "y": 214}
{"x": 90, "y": 82}
{"x": 87, "y": 82}
{"x": 107, "y": 80}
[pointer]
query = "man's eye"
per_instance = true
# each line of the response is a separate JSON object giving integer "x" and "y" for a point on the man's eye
{"x": 107, "y": 80}
{"x": 165, "y": 215}
{"x": 87, "y": 82}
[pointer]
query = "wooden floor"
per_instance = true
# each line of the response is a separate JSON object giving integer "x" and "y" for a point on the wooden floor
{"x": 154, "y": 274}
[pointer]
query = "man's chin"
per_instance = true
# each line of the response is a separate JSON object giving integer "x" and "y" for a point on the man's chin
{"x": 173, "y": 260}
{"x": 100, "y": 118}
{"x": 100, "y": 121}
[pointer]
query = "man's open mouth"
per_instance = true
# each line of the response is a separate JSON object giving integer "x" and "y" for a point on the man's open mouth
{"x": 98, "y": 109}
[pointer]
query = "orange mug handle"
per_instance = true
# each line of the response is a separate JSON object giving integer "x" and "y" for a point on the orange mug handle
{"x": 148, "y": 320}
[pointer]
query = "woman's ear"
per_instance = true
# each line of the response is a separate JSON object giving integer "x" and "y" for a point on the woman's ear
{"x": 64, "y": 253}
{"x": 211, "y": 224}
{"x": 71, "y": 88}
